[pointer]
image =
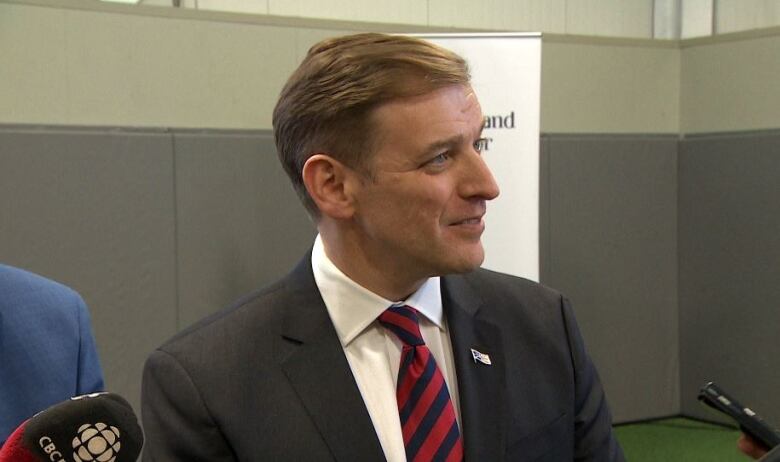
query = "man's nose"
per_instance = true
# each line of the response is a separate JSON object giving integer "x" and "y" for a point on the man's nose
{"x": 479, "y": 182}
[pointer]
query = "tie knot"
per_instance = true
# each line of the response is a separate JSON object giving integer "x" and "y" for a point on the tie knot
{"x": 404, "y": 323}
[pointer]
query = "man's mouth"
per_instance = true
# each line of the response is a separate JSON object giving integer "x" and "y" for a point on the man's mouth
{"x": 468, "y": 221}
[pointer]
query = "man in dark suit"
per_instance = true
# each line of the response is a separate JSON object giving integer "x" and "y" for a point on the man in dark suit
{"x": 387, "y": 341}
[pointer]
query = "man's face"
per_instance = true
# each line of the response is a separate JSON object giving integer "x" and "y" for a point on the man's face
{"x": 421, "y": 211}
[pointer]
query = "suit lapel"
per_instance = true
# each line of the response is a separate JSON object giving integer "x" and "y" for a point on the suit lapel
{"x": 313, "y": 360}
{"x": 481, "y": 387}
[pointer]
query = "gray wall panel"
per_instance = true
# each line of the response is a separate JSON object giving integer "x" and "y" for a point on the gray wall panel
{"x": 240, "y": 224}
{"x": 544, "y": 209}
{"x": 613, "y": 251}
{"x": 94, "y": 210}
{"x": 729, "y": 215}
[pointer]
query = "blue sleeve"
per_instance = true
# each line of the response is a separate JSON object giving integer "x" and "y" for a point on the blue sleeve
{"x": 90, "y": 375}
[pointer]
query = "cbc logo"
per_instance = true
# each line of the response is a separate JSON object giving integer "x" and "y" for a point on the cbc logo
{"x": 96, "y": 443}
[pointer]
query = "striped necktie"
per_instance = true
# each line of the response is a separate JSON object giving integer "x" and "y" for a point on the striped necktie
{"x": 428, "y": 422}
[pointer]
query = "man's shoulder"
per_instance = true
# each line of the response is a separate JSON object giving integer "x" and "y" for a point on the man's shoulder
{"x": 254, "y": 318}
{"x": 495, "y": 285}
{"x": 249, "y": 331}
{"x": 255, "y": 311}
{"x": 27, "y": 294}
{"x": 506, "y": 300}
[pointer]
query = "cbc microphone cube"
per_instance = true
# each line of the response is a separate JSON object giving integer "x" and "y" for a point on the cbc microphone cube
{"x": 100, "y": 427}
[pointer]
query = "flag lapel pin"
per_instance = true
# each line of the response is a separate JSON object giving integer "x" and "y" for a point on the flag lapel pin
{"x": 481, "y": 357}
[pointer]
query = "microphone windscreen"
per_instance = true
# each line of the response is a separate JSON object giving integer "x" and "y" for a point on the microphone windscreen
{"x": 14, "y": 449}
{"x": 100, "y": 427}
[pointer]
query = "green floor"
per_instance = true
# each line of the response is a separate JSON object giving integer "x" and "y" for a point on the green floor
{"x": 678, "y": 439}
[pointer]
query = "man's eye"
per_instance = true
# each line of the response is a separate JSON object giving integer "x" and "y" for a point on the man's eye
{"x": 480, "y": 144}
{"x": 440, "y": 159}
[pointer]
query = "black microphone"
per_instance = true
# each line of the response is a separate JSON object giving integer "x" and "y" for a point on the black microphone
{"x": 771, "y": 456}
{"x": 99, "y": 427}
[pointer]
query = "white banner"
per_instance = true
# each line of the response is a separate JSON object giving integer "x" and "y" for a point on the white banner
{"x": 506, "y": 75}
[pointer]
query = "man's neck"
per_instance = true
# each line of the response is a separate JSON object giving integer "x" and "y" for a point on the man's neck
{"x": 377, "y": 276}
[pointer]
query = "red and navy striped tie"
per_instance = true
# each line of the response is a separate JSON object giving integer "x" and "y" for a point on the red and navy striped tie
{"x": 428, "y": 421}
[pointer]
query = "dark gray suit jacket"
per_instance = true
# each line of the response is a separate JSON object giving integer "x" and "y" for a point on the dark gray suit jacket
{"x": 267, "y": 380}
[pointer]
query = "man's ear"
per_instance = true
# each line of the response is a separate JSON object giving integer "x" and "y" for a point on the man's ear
{"x": 326, "y": 181}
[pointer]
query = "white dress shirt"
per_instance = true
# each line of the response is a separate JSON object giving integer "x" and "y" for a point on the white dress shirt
{"x": 373, "y": 353}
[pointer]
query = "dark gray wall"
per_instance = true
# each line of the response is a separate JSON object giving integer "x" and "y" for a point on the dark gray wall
{"x": 94, "y": 209}
{"x": 609, "y": 242}
{"x": 154, "y": 228}
{"x": 729, "y": 220}
{"x": 240, "y": 225}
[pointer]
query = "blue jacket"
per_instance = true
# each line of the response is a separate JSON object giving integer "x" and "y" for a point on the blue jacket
{"x": 47, "y": 352}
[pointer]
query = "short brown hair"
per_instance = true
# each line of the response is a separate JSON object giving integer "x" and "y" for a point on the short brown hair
{"x": 327, "y": 102}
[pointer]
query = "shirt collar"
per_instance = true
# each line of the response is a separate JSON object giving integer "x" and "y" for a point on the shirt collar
{"x": 352, "y": 307}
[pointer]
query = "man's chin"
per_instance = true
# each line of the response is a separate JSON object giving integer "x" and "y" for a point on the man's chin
{"x": 467, "y": 263}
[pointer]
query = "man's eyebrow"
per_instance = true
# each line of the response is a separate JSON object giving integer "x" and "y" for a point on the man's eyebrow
{"x": 452, "y": 141}
{"x": 441, "y": 144}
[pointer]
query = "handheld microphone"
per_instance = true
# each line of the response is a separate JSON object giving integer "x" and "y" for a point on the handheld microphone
{"x": 771, "y": 456}
{"x": 99, "y": 427}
